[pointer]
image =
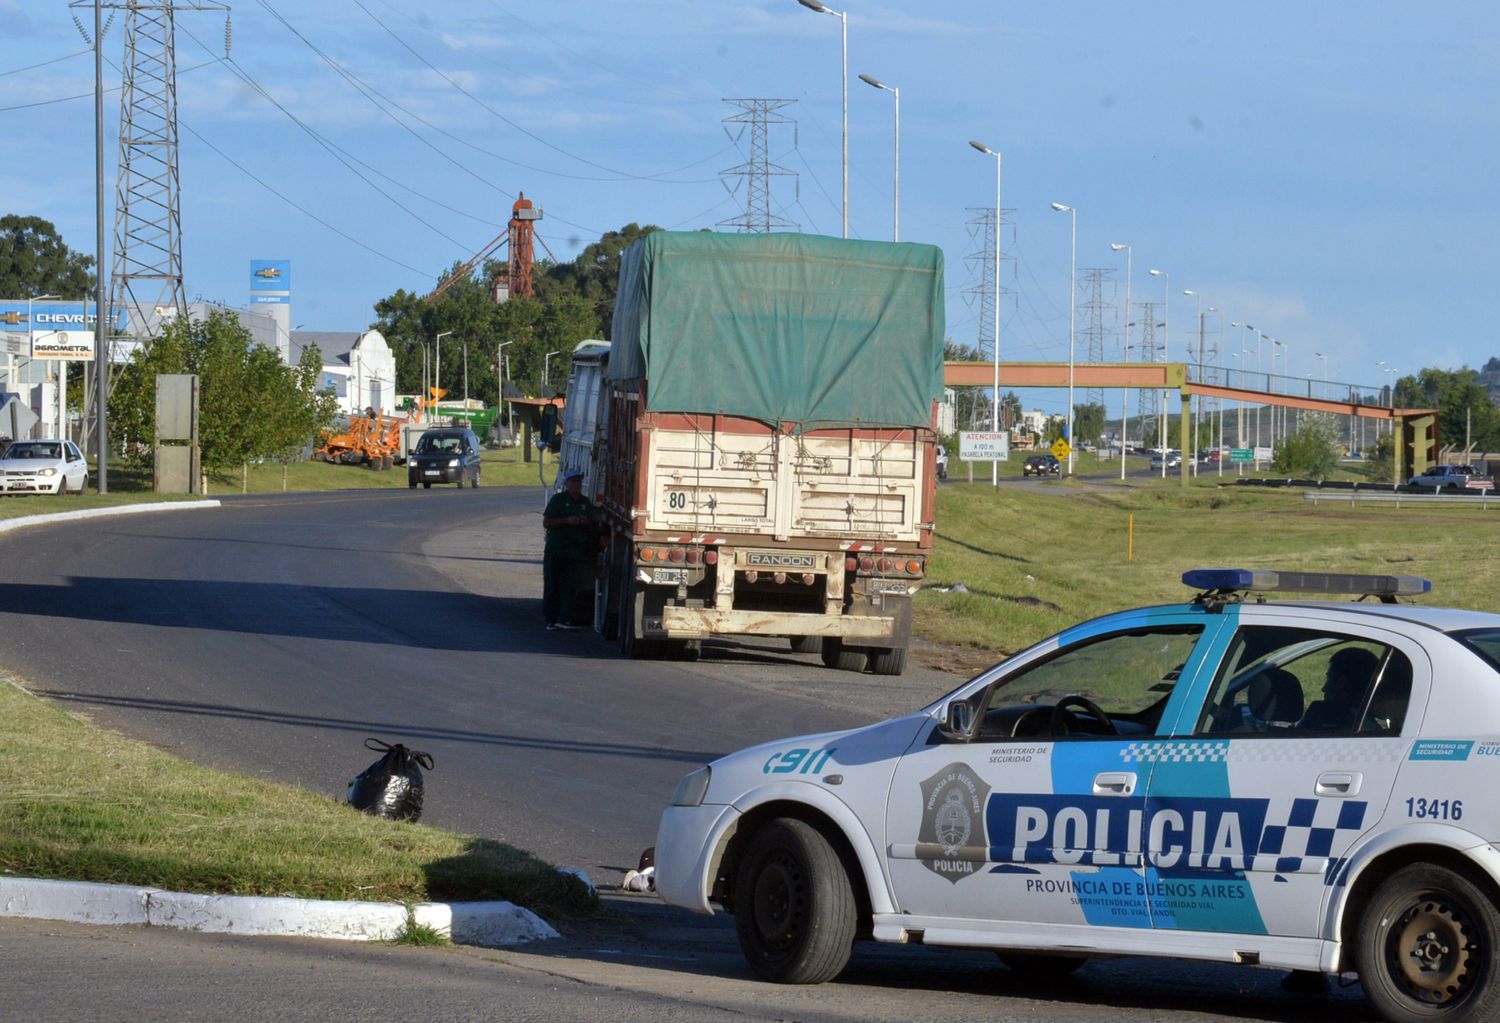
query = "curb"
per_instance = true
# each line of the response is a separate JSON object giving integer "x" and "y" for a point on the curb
{"x": 6, "y": 525}
{"x": 466, "y": 923}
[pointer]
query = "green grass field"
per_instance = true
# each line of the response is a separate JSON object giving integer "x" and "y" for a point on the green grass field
{"x": 83, "y": 803}
{"x": 1037, "y": 558}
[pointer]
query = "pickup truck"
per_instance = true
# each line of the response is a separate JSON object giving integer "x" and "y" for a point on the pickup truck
{"x": 1451, "y": 479}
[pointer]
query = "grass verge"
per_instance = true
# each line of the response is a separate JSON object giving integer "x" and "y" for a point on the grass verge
{"x": 1039, "y": 558}
{"x": 84, "y": 803}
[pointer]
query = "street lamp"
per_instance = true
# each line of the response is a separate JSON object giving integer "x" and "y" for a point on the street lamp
{"x": 1072, "y": 316}
{"x": 896, "y": 216}
{"x": 1323, "y": 365}
{"x": 995, "y": 395}
{"x": 437, "y": 359}
{"x": 1166, "y": 326}
{"x": 1285, "y": 371}
{"x": 500, "y": 375}
{"x": 843, "y": 16}
{"x": 1199, "y": 296}
{"x": 547, "y": 368}
{"x": 1125, "y": 406}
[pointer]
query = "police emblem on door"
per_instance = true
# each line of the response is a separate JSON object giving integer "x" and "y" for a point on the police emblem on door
{"x": 951, "y": 841}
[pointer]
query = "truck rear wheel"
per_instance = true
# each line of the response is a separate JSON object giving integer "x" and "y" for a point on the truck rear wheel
{"x": 807, "y": 644}
{"x": 837, "y": 655}
{"x": 888, "y": 660}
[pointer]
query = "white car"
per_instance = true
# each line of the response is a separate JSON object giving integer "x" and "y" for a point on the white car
{"x": 1304, "y": 785}
{"x": 43, "y": 467}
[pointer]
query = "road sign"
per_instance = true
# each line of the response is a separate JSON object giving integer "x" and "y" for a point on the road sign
{"x": 1262, "y": 454}
{"x": 974, "y": 446}
{"x": 1061, "y": 449}
{"x": 1241, "y": 455}
{"x": 74, "y": 345}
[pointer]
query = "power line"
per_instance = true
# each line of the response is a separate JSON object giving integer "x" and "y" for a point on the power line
{"x": 90, "y": 94}
{"x": 497, "y": 114}
{"x": 54, "y": 60}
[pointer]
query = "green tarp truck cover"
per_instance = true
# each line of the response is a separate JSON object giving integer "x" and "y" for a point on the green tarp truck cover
{"x": 786, "y": 328}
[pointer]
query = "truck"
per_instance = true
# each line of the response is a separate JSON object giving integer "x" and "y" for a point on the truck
{"x": 1452, "y": 479}
{"x": 760, "y": 438}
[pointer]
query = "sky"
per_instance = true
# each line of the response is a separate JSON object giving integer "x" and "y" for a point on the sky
{"x": 1325, "y": 172}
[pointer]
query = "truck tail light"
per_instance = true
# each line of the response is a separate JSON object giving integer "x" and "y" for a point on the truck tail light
{"x": 807, "y": 578}
{"x": 867, "y": 564}
{"x": 711, "y": 557}
{"x": 780, "y": 577}
{"x": 886, "y": 564}
{"x": 694, "y": 556}
{"x": 751, "y": 577}
{"x": 648, "y": 554}
{"x": 676, "y": 555}
{"x": 914, "y": 567}
{"x": 851, "y": 564}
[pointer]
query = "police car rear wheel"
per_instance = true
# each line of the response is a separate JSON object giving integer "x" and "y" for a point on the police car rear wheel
{"x": 1043, "y": 967}
{"x": 794, "y": 907}
{"x": 1427, "y": 948}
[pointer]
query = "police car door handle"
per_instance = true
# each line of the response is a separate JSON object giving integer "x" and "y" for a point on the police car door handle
{"x": 1114, "y": 783}
{"x": 1339, "y": 783}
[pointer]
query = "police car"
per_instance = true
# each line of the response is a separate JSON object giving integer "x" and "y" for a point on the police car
{"x": 1298, "y": 784}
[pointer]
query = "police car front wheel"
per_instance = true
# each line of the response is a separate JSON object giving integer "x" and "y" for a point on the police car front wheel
{"x": 1427, "y": 948}
{"x": 793, "y": 905}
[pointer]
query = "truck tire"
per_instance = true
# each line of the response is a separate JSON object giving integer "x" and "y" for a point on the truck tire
{"x": 887, "y": 660}
{"x": 807, "y": 644}
{"x": 1427, "y": 948}
{"x": 606, "y": 590}
{"x": 836, "y": 655}
{"x": 794, "y": 908}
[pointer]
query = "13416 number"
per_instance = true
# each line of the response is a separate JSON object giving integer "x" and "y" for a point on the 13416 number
{"x": 1435, "y": 809}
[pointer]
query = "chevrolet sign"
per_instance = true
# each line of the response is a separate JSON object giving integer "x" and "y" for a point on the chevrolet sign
{"x": 767, "y": 559}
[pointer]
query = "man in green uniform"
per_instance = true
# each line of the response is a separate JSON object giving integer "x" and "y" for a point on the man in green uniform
{"x": 570, "y": 543}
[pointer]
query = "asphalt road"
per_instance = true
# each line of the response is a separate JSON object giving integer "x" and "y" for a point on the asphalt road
{"x": 271, "y": 636}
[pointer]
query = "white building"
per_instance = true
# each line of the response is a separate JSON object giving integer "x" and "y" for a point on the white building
{"x": 358, "y": 366}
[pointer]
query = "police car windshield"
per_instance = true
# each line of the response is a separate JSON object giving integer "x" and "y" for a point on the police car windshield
{"x": 1484, "y": 642}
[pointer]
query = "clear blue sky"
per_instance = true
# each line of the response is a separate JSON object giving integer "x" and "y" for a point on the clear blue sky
{"x": 1325, "y": 172}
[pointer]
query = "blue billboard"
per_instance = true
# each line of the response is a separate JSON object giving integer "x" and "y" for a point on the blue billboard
{"x": 17, "y": 318}
{"x": 270, "y": 282}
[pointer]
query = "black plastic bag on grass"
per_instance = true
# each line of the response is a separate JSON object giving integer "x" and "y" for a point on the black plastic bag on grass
{"x": 392, "y": 786}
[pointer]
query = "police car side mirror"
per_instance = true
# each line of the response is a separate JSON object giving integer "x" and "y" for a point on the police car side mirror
{"x": 957, "y": 724}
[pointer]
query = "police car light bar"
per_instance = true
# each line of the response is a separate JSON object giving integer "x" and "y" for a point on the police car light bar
{"x": 1227, "y": 580}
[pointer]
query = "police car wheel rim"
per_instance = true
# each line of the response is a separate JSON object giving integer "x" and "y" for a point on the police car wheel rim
{"x": 1432, "y": 951}
{"x": 780, "y": 900}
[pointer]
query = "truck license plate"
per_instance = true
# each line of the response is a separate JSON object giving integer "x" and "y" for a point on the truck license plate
{"x": 891, "y": 586}
{"x": 669, "y": 575}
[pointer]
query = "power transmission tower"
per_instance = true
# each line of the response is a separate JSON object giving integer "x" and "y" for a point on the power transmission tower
{"x": 1093, "y": 332}
{"x": 980, "y": 295}
{"x": 757, "y": 115}
{"x": 1147, "y": 350}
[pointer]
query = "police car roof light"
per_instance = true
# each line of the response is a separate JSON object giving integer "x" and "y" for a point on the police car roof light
{"x": 1224, "y": 580}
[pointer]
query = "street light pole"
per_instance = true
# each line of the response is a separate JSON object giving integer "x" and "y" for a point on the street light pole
{"x": 1125, "y": 406}
{"x": 1166, "y": 341}
{"x": 1072, "y": 317}
{"x": 547, "y": 369}
{"x": 843, "y": 16}
{"x": 500, "y": 375}
{"x": 101, "y": 329}
{"x": 437, "y": 358}
{"x": 995, "y": 394}
{"x": 896, "y": 215}
{"x": 1195, "y": 406}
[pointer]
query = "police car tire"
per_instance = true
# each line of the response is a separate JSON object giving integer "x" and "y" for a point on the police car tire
{"x": 1042, "y": 967}
{"x": 1445, "y": 897}
{"x": 791, "y": 880}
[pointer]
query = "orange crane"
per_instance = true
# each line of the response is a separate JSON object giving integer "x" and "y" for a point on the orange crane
{"x": 519, "y": 236}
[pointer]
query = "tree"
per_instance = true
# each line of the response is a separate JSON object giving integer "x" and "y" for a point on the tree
{"x": 1311, "y": 452}
{"x": 34, "y": 261}
{"x": 1463, "y": 404}
{"x": 251, "y": 405}
{"x": 1088, "y": 422}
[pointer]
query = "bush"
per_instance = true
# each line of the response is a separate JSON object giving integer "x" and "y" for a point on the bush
{"x": 1310, "y": 453}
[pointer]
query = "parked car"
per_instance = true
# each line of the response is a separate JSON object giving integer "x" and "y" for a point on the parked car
{"x": 1041, "y": 465}
{"x": 1452, "y": 479}
{"x": 449, "y": 455}
{"x": 43, "y": 467}
{"x": 1173, "y": 459}
{"x": 1302, "y": 784}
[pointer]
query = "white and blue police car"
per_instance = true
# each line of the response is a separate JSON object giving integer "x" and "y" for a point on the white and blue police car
{"x": 1300, "y": 784}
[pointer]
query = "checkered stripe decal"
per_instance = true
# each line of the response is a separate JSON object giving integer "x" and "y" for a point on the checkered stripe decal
{"x": 1193, "y": 752}
{"x": 1314, "y": 750}
{"x": 1303, "y": 843}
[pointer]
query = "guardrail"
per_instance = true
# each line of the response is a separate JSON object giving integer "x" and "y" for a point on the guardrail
{"x": 1396, "y": 497}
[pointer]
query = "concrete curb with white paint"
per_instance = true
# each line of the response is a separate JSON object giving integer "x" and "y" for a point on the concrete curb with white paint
{"x": 467, "y": 923}
{"x": 6, "y": 525}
